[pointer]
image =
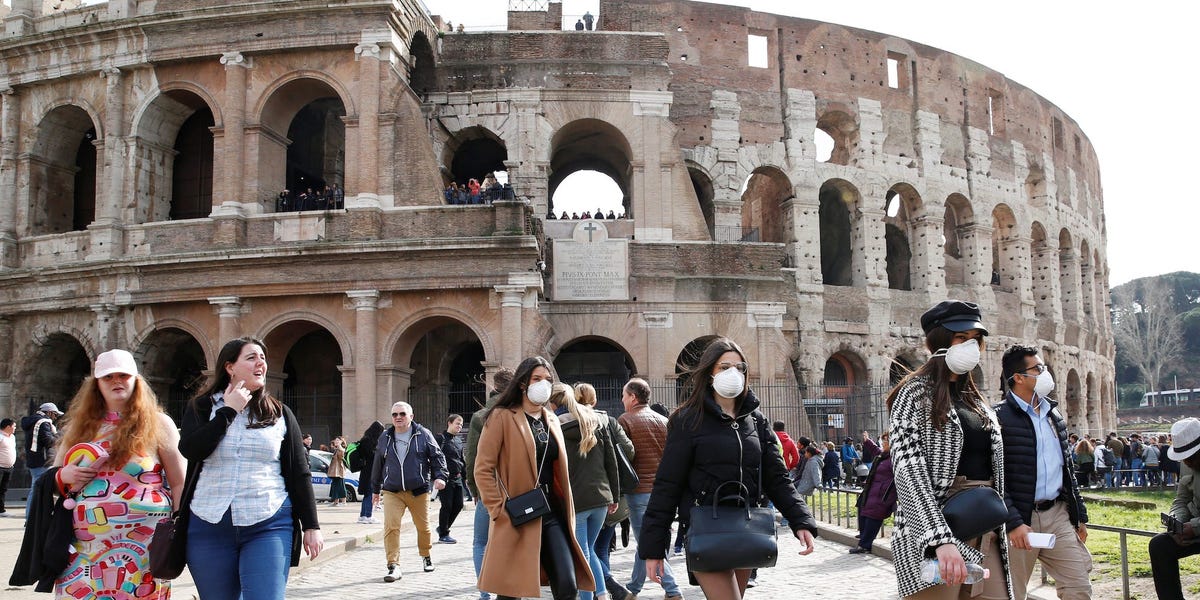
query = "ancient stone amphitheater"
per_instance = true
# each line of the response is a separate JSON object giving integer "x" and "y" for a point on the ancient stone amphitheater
{"x": 145, "y": 144}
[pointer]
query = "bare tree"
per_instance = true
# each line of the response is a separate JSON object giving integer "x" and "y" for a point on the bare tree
{"x": 1146, "y": 328}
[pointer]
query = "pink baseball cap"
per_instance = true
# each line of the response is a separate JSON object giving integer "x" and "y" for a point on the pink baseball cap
{"x": 115, "y": 361}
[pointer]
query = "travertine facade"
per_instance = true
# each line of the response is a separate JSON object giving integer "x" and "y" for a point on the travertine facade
{"x": 143, "y": 144}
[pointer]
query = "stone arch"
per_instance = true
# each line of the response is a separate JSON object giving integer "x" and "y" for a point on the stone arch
{"x": 63, "y": 170}
{"x": 843, "y": 130}
{"x": 702, "y": 184}
{"x": 1006, "y": 270}
{"x": 597, "y": 360}
{"x": 472, "y": 153}
{"x": 173, "y": 361}
{"x": 766, "y": 190}
{"x": 444, "y": 357}
{"x": 1074, "y": 401}
{"x": 1099, "y": 288}
{"x": 173, "y": 145}
{"x": 592, "y": 145}
{"x": 1086, "y": 288}
{"x": 304, "y": 361}
{"x": 403, "y": 339}
{"x": 1093, "y": 421}
{"x": 839, "y": 200}
{"x": 302, "y": 138}
{"x": 958, "y": 221}
{"x": 1068, "y": 277}
{"x": 422, "y": 76}
{"x": 845, "y": 390}
{"x": 56, "y": 365}
{"x": 901, "y": 204}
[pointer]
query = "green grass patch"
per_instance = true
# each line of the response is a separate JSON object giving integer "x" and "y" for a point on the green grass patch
{"x": 1106, "y": 546}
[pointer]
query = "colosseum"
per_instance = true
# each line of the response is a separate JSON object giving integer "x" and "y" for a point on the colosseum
{"x": 146, "y": 143}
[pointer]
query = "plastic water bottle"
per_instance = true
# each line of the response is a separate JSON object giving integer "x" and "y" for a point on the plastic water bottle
{"x": 931, "y": 572}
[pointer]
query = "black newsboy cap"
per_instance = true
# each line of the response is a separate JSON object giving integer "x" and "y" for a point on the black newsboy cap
{"x": 954, "y": 315}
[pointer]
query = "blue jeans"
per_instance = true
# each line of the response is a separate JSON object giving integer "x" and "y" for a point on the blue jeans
{"x": 637, "y": 510}
{"x": 587, "y": 528}
{"x": 1113, "y": 479}
{"x": 34, "y": 473}
{"x": 482, "y": 521}
{"x": 368, "y": 505}
{"x": 249, "y": 563}
{"x": 1139, "y": 476}
{"x": 600, "y": 548}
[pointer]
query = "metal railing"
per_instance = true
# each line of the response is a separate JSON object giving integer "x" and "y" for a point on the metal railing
{"x": 1124, "y": 533}
{"x": 837, "y": 506}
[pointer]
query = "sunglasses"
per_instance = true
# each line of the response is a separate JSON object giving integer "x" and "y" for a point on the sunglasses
{"x": 399, "y": 414}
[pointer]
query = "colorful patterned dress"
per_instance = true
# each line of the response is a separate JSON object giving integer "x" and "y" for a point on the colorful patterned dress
{"x": 114, "y": 521}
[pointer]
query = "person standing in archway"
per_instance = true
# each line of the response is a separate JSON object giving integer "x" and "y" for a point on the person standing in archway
{"x": 451, "y": 497}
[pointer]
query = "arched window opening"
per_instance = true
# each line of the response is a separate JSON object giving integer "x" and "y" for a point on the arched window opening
{"x": 836, "y": 236}
{"x": 899, "y": 204}
{"x": 591, "y": 145}
{"x": 1005, "y": 269}
{"x": 84, "y": 211}
{"x": 602, "y": 363}
{"x": 842, "y": 130}
{"x": 1085, "y": 277}
{"x": 316, "y": 157}
{"x": 475, "y": 153}
{"x": 825, "y": 145}
{"x": 836, "y": 372}
{"x": 192, "y": 176}
{"x": 311, "y": 377}
{"x": 173, "y": 362}
{"x": 956, "y": 221}
{"x": 423, "y": 71}
{"x": 55, "y": 371}
{"x": 1068, "y": 275}
{"x": 763, "y": 195}
{"x": 62, "y": 173}
{"x": 703, "y": 187}
{"x": 447, "y": 369}
{"x": 587, "y": 195}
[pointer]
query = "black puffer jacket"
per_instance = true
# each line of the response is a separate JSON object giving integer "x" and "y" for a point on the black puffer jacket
{"x": 702, "y": 454}
{"x": 1021, "y": 465}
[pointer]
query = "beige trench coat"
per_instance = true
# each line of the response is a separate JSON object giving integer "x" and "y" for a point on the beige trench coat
{"x": 511, "y": 563}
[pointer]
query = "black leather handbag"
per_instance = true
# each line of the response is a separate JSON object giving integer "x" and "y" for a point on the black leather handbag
{"x": 974, "y": 512}
{"x": 721, "y": 538}
{"x": 168, "y": 546}
{"x": 526, "y": 507}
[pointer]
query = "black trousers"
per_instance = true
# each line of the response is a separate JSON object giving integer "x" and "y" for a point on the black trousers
{"x": 452, "y": 504}
{"x": 5, "y": 477}
{"x": 1164, "y": 562}
{"x": 556, "y": 559}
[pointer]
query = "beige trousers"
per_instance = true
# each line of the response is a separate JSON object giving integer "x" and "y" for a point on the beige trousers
{"x": 1068, "y": 562}
{"x": 394, "y": 504}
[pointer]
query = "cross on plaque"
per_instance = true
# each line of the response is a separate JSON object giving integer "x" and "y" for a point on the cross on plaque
{"x": 590, "y": 227}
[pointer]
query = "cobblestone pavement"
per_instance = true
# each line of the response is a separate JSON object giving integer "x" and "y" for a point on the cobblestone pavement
{"x": 828, "y": 573}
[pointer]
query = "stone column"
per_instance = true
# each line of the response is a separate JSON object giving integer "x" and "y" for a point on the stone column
{"x": 976, "y": 249}
{"x": 657, "y": 362}
{"x": 928, "y": 259}
{"x": 766, "y": 320}
{"x": 512, "y": 298}
{"x": 106, "y": 326}
{"x": 365, "y": 303}
{"x": 110, "y": 197}
{"x": 6, "y": 375}
{"x": 229, "y": 312}
{"x": 231, "y": 159}
{"x": 365, "y": 182}
{"x": 10, "y": 126}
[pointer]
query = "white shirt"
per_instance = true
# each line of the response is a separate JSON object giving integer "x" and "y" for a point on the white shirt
{"x": 243, "y": 474}
{"x": 8, "y": 450}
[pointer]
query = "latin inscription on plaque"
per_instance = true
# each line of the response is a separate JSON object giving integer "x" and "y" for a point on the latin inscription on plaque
{"x": 590, "y": 266}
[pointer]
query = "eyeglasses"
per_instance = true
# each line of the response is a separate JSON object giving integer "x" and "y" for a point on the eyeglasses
{"x": 726, "y": 365}
{"x": 1041, "y": 368}
{"x": 399, "y": 414}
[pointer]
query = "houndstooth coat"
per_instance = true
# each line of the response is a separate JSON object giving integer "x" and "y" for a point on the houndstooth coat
{"x": 925, "y": 462}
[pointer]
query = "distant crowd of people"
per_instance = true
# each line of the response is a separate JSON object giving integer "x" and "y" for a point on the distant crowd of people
{"x": 598, "y": 215}
{"x": 329, "y": 198}
{"x": 474, "y": 192}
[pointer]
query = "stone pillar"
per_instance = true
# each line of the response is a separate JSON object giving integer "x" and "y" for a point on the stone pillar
{"x": 512, "y": 298}
{"x": 975, "y": 245}
{"x": 10, "y": 129}
{"x": 929, "y": 258}
{"x": 365, "y": 181}
{"x": 107, "y": 337}
{"x": 365, "y": 303}
{"x": 1068, "y": 267}
{"x": 657, "y": 363}
{"x": 766, "y": 320}
{"x": 6, "y": 372}
{"x": 868, "y": 250}
{"x": 230, "y": 160}
{"x": 229, "y": 313}
{"x": 111, "y": 197}
{"x": 19, "y": 21}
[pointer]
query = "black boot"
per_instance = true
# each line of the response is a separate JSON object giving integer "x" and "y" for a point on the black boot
{"x": 616, "y": 591}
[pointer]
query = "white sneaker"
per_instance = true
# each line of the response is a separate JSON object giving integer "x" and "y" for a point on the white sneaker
{"x": 364, "y": 520}
{"x": 373, "y": 520}
{"x": 393, "y": 573}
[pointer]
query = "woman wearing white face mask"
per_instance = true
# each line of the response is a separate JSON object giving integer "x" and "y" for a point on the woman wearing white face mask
{"x": 945, "y": 439}
{"x": 718, "y": 436}
{"x": 521, "y": 449}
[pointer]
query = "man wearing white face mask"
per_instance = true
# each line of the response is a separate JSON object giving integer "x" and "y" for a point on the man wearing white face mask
{"x": 1041, "y": 493}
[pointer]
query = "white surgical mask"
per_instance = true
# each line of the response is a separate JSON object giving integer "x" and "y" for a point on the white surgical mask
{"x": 961, "y": 358}
{"x": 539, "y": 393}
{"x": 729, "y": 383}
{"x": 1044, "y": 385}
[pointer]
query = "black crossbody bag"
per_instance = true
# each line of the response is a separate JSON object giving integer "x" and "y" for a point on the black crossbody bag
{"x": 531, "y": 505}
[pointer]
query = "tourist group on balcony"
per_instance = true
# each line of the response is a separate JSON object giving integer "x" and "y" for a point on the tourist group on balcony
{"x": 330, "y": 197}
{"x": 474, "y": 192}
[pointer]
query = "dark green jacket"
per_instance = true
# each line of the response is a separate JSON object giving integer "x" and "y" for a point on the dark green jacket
{"x": 594, "y": 481}
{"x": 472, "y": 446}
